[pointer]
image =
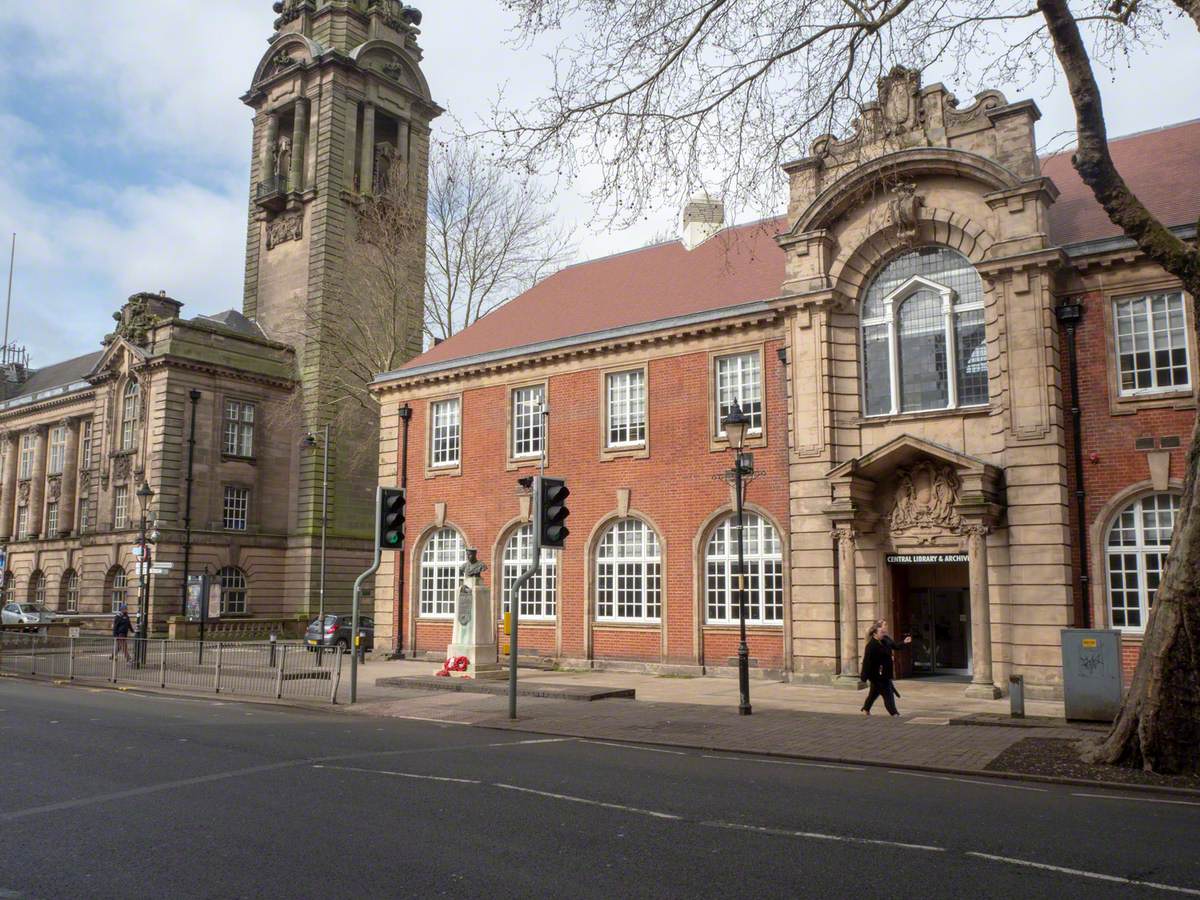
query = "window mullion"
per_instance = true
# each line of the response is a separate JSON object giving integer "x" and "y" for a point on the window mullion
{"x": 893, "y": 357}
{"x": 951, "y": 351}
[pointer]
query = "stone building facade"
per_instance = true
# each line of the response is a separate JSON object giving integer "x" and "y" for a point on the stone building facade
{"x": 897, "y": 337}
{"x": 341, "y": 111}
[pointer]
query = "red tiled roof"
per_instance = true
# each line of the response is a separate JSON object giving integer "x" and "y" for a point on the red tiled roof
{"x": 1162, "y": 167}
{"x": 743, "y": 263}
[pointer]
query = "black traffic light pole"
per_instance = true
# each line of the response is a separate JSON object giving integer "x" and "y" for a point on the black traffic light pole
{"x": 514, "y": 594}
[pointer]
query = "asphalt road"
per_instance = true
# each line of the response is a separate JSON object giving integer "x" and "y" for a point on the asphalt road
{"x": 109, "y": 794}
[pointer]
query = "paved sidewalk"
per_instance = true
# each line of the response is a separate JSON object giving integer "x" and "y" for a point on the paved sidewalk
{"x": 820, "y": 723}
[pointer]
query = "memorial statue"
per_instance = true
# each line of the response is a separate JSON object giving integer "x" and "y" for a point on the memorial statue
{"x": 474, "y": 637}
{"x": 283, "y": 158}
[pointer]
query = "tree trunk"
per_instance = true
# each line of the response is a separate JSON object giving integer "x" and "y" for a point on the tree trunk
{"x": 1158, "y": 727}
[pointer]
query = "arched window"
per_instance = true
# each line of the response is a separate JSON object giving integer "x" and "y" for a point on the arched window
{"x": 233, "y": 590}
{"x": 131, "y": 409}
{"x": 1137, "y": 550}
{"x": 68, "y": 597}
{"x": 118, "y": 588}
{"x": 629, "y": 573}
{"x": 540, "y": 593}
{"x": 37, "y": 588}
{"x": 923, "y": 342}
{"x": 441, "y": 559}
{"x": 763, "y": 555}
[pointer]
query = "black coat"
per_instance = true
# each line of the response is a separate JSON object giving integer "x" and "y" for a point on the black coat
{"x": 122, "y": 625}
{"x": 877, "y": 658}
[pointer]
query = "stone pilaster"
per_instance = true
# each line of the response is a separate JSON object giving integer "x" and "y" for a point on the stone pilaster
{"x": 848, "y": 675}
{"x": 366, "y": 173}
{"x": 981, "y": 614}
{"x": 70, "y": 478}
{"x": 299, "y": 145}
{"x": 37, "y": 489}
{"x": 270, "y": 140}
{"x": 8, "y": 485}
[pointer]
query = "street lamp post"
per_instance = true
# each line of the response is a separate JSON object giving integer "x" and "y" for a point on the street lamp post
{"x": 736, "y": 424}
{"x": 144, "y": 494}
{"x": 310, "y": 442}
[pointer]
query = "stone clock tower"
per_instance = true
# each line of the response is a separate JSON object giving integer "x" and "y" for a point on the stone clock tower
{"x": 342, "y": 113}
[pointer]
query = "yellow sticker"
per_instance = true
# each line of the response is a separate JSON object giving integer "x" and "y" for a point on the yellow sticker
{"x": 1089, "y": 642}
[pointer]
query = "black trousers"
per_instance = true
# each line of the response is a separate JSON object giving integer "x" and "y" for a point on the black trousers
{"x": 882, "y": 687}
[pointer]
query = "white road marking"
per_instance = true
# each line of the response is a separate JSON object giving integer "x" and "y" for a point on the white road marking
{"x": 425, "y": 719}
{"x": 927, "y": 720}
{"x": 584, "y": 800}
{"x": 1098, "y": 876}
{"x": 535, "y": 741}
{"x": 999, "y": 784}
{"x": 403, "y": 774}
{"x": 787, "y": 762}
{"x": 819, "y": 836}
{"x": 634, "y": 747}
{"x": 1137, "y": 799}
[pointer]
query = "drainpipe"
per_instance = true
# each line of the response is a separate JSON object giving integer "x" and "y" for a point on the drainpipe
{"x": 1069, "y": 316}
{"x": 788, "y": 656}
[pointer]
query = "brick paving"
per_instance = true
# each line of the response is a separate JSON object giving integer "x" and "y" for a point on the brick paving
{"x": 916, "y": 739}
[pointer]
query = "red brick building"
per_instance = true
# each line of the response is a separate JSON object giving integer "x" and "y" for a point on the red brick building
{"x": 897, "y": 341}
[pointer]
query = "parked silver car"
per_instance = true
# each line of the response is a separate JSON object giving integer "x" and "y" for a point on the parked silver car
{"x": 17, "y": 613}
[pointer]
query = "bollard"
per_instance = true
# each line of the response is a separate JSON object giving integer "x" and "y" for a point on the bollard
{"x": 1016, "y": 695}
{"x": 217, "y": 675}
{"x": 70, "y": 659}
{"x": 274, "y": 638}
{"x": 114, "y": 661}
{"x": 162, "y": 664}
{"x": 278, "y": 669}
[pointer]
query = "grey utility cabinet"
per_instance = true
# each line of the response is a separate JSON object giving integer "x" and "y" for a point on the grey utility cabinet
{"x": 1092, "y": 680}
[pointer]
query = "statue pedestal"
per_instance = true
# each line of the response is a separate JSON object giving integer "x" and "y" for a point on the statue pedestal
{"x": 474, "y": 632}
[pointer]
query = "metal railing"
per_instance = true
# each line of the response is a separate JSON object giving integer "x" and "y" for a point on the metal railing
{"x": 262, "y": 669}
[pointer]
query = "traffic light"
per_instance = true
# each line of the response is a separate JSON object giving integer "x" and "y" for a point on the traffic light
{"x": 552, "y": 512}
{"x": 391, "y": 519}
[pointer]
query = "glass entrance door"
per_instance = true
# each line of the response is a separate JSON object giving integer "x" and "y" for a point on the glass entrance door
{"x": 941, "y": 630}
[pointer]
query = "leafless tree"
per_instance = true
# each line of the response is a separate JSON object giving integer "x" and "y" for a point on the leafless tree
{"x": 492, "y": 235}
{"x": 665, "y": 96}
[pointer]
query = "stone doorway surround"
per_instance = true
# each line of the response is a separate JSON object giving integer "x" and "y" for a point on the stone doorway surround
{"x": 913, "y": 496}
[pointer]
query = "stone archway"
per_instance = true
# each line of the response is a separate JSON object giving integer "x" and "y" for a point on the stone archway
{"x": 917, "y": 499}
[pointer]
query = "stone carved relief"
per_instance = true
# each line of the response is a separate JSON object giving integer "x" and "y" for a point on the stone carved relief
{"x": 984, "y": 101}
{"x": 926, "y": 493}
{"x": 284, "y": 229}
{"x": 85, "y": 481}
{"x": 23, "y": 493}
{"x": 898, "y": 100}
{"x": 904, "y": 210}
{"x": 54, "y": 488}
{"x": 121, "y": 468}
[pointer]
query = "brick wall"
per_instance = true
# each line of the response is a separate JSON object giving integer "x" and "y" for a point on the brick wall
{"x": 1111, "y": 462}
{"x": 674, "y": 488}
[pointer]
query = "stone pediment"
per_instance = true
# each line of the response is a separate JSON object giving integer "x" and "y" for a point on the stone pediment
{"x": 118, "y": 358}
{"x": 931, "y": 486}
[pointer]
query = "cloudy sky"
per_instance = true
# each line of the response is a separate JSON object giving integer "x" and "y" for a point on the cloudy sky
{"x": 124, "y": 150}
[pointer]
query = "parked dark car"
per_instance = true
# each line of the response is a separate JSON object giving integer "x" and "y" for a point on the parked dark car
{"x": 335, "y": 632}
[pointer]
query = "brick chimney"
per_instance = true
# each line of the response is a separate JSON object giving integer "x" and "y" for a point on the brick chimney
{"x": 703, "y": 216}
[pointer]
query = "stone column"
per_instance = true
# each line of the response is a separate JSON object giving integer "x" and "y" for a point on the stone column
{"x": 981, "y": 614}
{"x": 270, "y": 139}
{"x": 299, "y": 145}
{"x": 8, "y": 485}
{"x": 37, "y": 488}
{"x": 847, "y": 609}
{"x": 366, "y": 173}
{"x": 70, "y": 477}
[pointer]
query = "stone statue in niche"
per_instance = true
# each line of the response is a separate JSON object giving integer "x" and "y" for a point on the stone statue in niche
{"x": 926, "y": 493}
{"x": 386, "y": 157}
{"x": 283, "y": 158}
{"x": 904, "y": 211}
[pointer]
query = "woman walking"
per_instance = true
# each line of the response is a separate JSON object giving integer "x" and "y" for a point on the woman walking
{"x": 878, "y": 669}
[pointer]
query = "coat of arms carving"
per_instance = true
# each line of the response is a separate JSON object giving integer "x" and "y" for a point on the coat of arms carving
{"x": 23, "y": 493}
{"x": 54, "y": 488}
{"x": 121, "y": 467}
{"x": 926, "y": 493}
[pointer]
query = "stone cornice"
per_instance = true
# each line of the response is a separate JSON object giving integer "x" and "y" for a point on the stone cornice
{"x": 41, "y": 406}
{"x": 587, "y": 345}
{"x": 177, "y": 362}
